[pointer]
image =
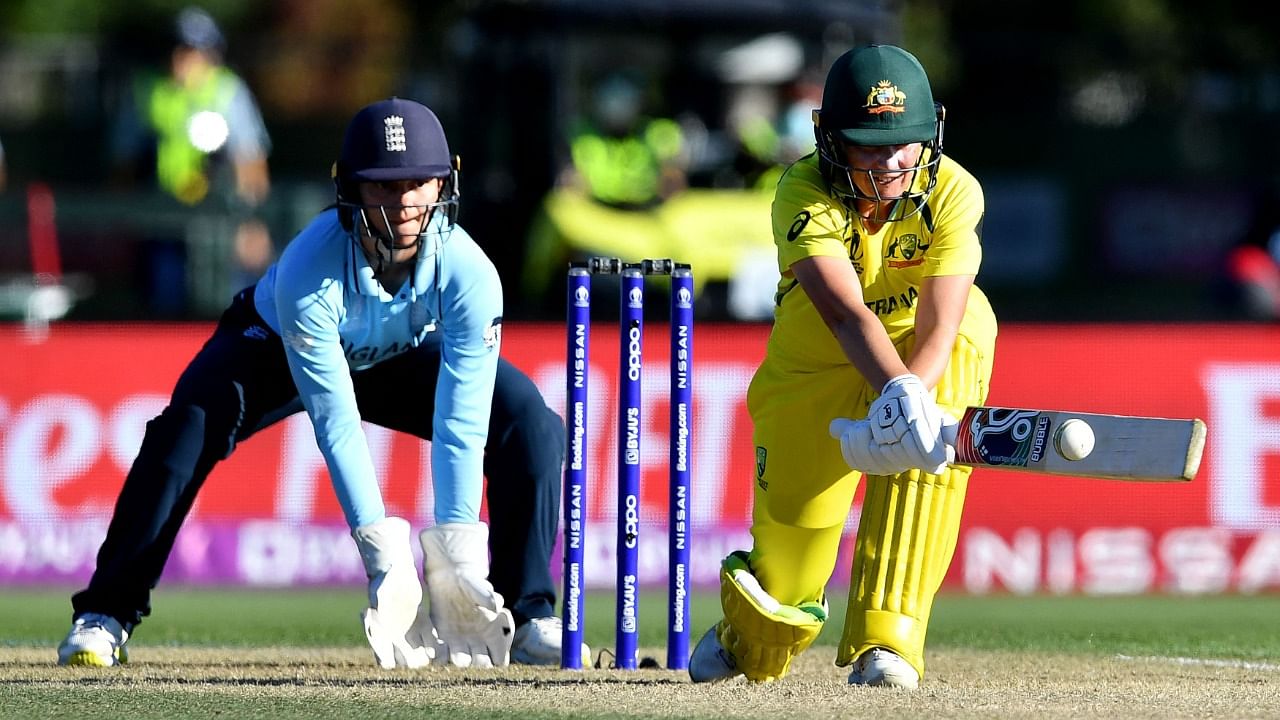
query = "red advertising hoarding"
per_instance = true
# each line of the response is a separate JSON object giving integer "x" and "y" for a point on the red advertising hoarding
{"x": 73, "y": 406}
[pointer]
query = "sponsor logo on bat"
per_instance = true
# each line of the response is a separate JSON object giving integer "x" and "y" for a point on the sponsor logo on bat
{"x": 999, "y": 436}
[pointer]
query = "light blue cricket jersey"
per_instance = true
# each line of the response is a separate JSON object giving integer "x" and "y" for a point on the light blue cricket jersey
{"x": 334, "y": 317}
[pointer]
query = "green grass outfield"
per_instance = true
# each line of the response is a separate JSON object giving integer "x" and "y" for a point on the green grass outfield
{"x": 300, "y": 653}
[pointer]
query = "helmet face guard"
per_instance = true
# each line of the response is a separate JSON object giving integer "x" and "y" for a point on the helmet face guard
{"x": 395, "y": 140}
{"x": 360, "y": 219}
{"x": 878, "y": 96}
{"x": 840, "y": 174}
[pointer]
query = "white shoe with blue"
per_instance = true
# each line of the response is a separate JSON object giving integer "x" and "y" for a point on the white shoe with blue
{"x": 710, "y": 662}
{"x": 95, "y": 640}
{"x": 886, "y": 668}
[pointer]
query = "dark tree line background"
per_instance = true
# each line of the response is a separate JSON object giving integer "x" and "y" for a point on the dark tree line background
{"x": 1135, "y": 137}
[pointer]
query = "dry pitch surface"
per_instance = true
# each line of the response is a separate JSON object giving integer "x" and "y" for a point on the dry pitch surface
{"x": 961, "y": 683}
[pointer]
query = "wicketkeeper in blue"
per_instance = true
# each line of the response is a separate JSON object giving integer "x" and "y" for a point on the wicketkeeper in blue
{"x": 383, "y": 309}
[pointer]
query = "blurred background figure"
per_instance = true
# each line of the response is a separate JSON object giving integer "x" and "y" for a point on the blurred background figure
{"x": 1253, "y": 265}
{"x": 802, "y": 96}
{"x": 621, "y": 157}
{"x": 1158, "y": 200}
{"x": 197, "y": 132}
{"x": 755, "y": 74}
{"x": 620, "y": 168}
{"x": 4, "y": 173}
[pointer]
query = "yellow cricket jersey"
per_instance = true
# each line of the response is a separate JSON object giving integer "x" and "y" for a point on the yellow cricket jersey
{"x": 941, "y": 239}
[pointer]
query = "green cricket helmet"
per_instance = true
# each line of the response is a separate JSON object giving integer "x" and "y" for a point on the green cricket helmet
{"x": 878, "y": 95}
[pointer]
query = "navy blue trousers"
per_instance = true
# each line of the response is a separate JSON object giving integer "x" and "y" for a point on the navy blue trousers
{"x": 239, "y": 383}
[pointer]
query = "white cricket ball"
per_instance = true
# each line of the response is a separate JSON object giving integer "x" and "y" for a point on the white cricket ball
{"x": 1074, "y": 439}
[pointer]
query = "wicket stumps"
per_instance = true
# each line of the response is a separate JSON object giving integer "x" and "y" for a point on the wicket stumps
{"x": 630, "y": 372}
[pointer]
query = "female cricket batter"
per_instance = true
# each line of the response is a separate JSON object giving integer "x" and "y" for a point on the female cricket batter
{"x": 876, "y": 313}
{"x": 381, "y": 310}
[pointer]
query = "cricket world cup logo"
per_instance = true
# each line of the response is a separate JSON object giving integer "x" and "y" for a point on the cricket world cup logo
{"x": 684, "y": 298}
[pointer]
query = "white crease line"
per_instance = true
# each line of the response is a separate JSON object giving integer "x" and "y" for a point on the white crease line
{"x": 1239, "y": 664}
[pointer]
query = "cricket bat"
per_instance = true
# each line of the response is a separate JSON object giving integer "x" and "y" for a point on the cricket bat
{"x": 1119, "y": 447}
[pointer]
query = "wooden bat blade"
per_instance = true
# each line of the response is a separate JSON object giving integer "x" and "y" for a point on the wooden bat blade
{"x": 1125, "y": 447}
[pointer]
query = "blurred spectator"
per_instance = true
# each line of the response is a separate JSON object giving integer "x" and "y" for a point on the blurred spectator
{"x": 619, "y": 156}
{"x": 626, "y": 193}
{"x": 4, "y": 169}
{"x": 750, "y": 122}
{"x": 197, "y": 131}
{"x": 1253, "y": 265}
{"x": 757, "y": 76}
{"x": 623, "y": 168}
{"x": 803, "y": 95}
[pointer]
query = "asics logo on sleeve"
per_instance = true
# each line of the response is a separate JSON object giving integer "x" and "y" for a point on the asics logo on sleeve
{"x": 798, "y": 225}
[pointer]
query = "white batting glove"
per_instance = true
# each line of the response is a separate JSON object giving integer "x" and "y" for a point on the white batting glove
{"x": 861, "y": 451}
{"x": 474, "y": 628}
{"x": 906, "y": 414}
{"x": 393, "y": 622}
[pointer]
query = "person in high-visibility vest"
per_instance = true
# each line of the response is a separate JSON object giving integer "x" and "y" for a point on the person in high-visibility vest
{"x": 622, "y": 159}
{"x": 196, "y": 118}
{"x": 198, "y": 131}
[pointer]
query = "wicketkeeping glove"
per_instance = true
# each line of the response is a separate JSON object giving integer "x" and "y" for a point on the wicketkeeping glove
{"x": 906, "y": 415}
{"x": 394, "y": 623}
{"x": 473, "y": 626}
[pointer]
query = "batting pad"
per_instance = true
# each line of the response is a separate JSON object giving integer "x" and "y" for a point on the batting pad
{"x": 907, "y": 533}
{"x": 906, "y": 538}
{"x": 762, "y": 634}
